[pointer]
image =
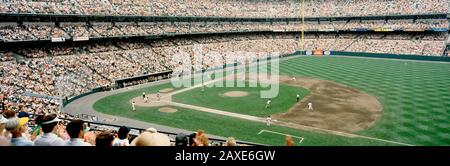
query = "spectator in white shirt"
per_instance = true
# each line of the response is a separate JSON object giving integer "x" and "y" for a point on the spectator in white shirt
{"x": 75, "y": 129}
{"x": 17, "y": 127}
{"x": 123, "y": 135}
{"x": 53, "y": 131}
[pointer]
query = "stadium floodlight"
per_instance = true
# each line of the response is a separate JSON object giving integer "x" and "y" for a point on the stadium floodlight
{"x": 303, "y": 24}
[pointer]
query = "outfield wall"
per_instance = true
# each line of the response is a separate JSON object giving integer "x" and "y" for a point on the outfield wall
{"x": 393, "y": 56}
{"x": 373, "y": 55}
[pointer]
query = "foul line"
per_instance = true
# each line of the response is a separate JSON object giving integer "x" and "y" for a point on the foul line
{"x": 274, "y": 132}
{"x": 344, "y": 134}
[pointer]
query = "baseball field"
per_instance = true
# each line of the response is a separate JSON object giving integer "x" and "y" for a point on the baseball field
{"x": 356, "y": 101}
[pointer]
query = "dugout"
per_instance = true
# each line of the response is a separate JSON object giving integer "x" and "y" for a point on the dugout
{"x": 125, "y": 82}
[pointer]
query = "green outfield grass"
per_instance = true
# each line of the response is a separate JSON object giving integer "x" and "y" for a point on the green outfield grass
{"x": 415, "y": 95}
{"x": 415, "y": 98}
{"x": 252, "y": 104}
{"x": 118, "y": 105}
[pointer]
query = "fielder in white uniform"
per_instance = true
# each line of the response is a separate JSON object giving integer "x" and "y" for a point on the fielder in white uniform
{"x": 133, "y": 106}
{"x": 268, "y": 103}
{"x": 310, "y": 106}
{"x": 268, "y": 120}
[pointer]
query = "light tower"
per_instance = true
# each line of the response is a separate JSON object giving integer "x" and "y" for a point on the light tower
{"x": 302, "y": 42}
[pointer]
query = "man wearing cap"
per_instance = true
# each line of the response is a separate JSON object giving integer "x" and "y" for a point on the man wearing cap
{"x": 75, "y": 129}
{"x": 53, "y": 131}
{"x": 18, "y": 126}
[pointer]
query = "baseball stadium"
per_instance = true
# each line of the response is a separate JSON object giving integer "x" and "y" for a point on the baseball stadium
{"x": 224, "y": 73}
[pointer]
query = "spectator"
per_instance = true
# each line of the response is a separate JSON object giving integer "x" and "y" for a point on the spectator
{"x": 23, "y": 114}
{"x": 151, "y": 139}
{"x": 289, "y": 141}
{"x": 151, "y": 130}
{"x": 104, "y": 139}
{"x": 123, "y": 136}
{"x": 181, "y": 140}
{"x": 90, "y": 137}
{"x": 75, "y": 129}
{"x": 18, "y": 127}
{"x": 201, "y": 139}
{"x": 10, "y": 114}
{"x": 230, "y": 142}
{"x": 53, "y": 131}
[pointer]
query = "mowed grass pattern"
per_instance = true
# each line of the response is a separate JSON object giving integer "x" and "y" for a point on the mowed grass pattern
{"x": 252, "y": 104}
{"x": 119, "y": 105}
{"x": 415, "y": 98}
{"x": 415, "y": 95}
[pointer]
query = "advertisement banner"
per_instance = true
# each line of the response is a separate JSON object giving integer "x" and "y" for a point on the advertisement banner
{"x": 383, "y": 29}
{"x": 413, "y": 30}
{"x": 58, "y": 39}
{"x": 439, "y": 29}
{"x": 318, "y": 52}
{"x": 80, "y": 38}
{"x": 359, "y": 29}
{"x": 327, "y": 30}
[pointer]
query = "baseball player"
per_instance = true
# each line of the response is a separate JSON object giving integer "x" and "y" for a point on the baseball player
{"x": 143, "y": 95}
{"x": 310, "y": 106}
{"x": 298, "y": 97}
{"x": 133, "y": 106}
{"x": 268, "y": 120}
{"x": 158, "y": 95}
{"x": 146, "y": 99}
{"x": 268, "y": 103}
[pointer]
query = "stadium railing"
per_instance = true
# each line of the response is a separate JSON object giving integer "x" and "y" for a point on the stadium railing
{"x": 14, "y": 17}
{"x": 97, "y": 125}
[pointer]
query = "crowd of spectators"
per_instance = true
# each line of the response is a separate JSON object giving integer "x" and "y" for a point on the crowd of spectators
{"x": 38, "y": 84}
{"x": 46, "y": 31}
{"x": 226, "y": 8}
{"x": 410, "y": 44}
{"x": 5, "y": 56}
{"x": 98, "y": 65}
{"x": 24, "y": 129}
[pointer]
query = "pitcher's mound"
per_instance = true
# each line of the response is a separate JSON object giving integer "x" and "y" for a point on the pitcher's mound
{"x": 236, "y": 94}
{"x": 167, "y": 90}
{"x": 167, "y": 110}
